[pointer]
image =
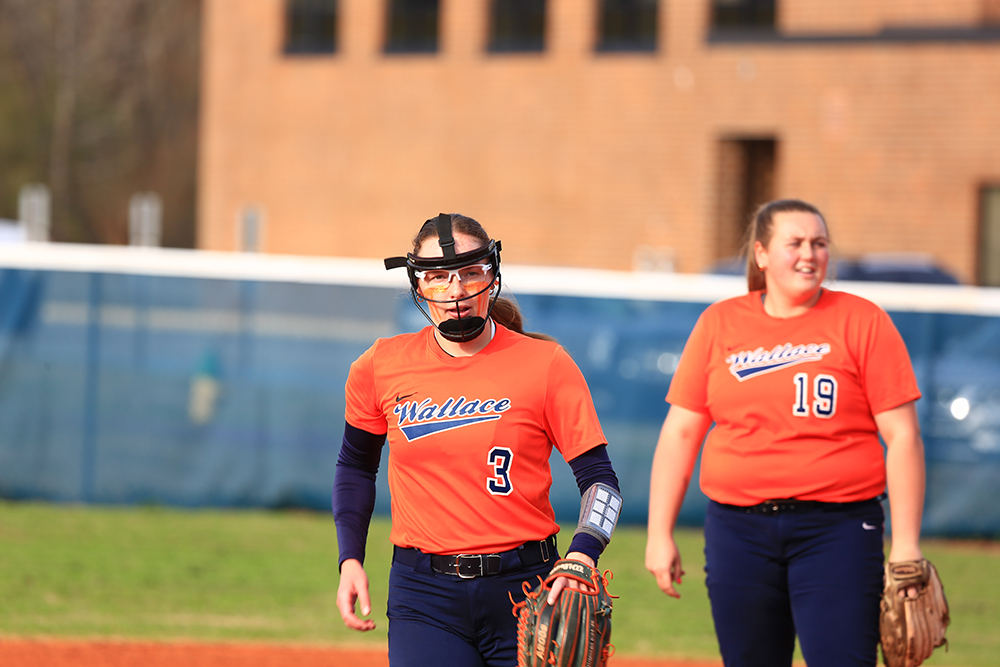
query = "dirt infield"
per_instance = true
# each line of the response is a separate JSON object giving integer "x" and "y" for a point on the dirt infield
{"x": 65, "y": 653}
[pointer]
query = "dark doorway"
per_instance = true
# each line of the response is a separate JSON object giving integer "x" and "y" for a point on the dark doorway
{"x": 988, "y": 250}
{"x": 746, "y": 178}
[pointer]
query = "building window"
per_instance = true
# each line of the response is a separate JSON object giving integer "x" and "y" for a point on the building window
{"x": 988, "y": 264}
{"x": 413, "y": 26}
{"x": 517, "y": 25}
{"x": 627, "y": 25}
{"x": 755, "y": 15}
{"x": 310, "y": 26}
{"x": 746, "y": 177}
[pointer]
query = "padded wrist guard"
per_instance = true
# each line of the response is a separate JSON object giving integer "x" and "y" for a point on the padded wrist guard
{"x": 599, "y": 510}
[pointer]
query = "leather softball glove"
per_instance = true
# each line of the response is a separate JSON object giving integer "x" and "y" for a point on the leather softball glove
{"x": 912, "y": 627}
{"x": 575, "y": 631}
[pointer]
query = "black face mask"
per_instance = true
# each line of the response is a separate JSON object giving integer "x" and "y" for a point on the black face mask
{"x": 459, "y": 330}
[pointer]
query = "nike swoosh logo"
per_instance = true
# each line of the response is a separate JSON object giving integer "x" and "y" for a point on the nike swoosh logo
{"x": 399, "y": 398}
{"x": 868, "y": 526}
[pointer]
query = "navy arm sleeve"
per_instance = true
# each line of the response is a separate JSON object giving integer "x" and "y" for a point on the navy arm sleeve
{"x": 354, "y": 490}
{"x": 589, "y": 468}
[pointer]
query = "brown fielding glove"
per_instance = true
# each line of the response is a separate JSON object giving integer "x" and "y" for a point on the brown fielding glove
{"x": 911, "y": 628}
{"x": 575, "y": 631}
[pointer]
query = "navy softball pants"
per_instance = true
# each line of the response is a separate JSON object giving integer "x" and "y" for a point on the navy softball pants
{"x": 440, "y": 619}
{"x": 816, "y": 574}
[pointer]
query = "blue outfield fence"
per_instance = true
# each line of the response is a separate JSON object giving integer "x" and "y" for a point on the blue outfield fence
{"x": 204, "y": 379}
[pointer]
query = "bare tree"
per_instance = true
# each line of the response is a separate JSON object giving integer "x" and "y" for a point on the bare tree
{"x": 63, "y": 104}
{"x": 112, "y": 86}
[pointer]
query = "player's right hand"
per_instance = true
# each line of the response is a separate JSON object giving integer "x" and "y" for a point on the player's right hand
{"x": 352, "y": 590}
{"x": 664, "y": 560}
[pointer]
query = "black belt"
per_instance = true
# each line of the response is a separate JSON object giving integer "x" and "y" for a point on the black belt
{"x": 793, "y": 506}
{"x": 469, "y": 566}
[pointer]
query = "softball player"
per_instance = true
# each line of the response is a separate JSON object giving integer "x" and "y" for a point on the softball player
{"x": 799, "y": 381}
{"x": 471, "y": 410}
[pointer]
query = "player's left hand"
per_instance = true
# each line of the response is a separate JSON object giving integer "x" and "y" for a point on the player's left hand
{"x": 906, "y": 552}
{"x": 562, "y": 582}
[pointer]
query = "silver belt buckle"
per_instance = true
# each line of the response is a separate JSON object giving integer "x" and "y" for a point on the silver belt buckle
{"x": 458, "y": 566}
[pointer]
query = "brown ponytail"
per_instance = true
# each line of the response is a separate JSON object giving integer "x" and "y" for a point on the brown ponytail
{"x": 507, "y": 313}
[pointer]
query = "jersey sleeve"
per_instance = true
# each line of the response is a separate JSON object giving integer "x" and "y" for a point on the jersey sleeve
{"x": 689, "y": 386}
{"x": 885, "y": 365}
{"x": 361, "y": 398}
{"x": 570, "y": 417}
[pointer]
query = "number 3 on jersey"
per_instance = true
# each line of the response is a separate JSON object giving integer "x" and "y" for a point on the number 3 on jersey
{"x": 824, "y": 392}
{"x": 499, "y": 459}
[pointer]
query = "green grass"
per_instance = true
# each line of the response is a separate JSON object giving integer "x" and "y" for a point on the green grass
{"x": 158, "y": 573}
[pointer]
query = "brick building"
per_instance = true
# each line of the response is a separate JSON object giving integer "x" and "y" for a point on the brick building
{"x": 601, "y": 133}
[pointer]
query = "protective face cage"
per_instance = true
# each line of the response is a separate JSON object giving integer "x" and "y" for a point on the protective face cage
{"x": 460, "y": 329}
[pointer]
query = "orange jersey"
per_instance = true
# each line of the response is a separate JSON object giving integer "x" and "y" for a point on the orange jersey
{"x": 793, "y": 400}
{"x": 470, "y": 437}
